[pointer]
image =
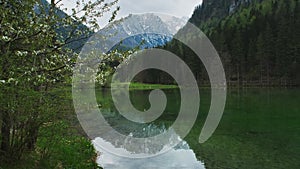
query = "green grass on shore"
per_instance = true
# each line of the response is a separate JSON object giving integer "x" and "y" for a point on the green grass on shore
{"x": 144, "y": 86}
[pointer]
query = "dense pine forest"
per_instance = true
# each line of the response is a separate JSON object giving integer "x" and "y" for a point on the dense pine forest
{"x": 258, "y": 41}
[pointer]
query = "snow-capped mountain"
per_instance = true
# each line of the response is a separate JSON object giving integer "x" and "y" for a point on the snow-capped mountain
{"x": 143, "y": 30}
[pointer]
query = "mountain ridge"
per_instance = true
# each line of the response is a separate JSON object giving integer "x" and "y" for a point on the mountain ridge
{"x": 143, "y": 30}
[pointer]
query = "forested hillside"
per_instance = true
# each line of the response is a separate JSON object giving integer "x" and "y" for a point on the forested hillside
{"x": 258, "y": 40}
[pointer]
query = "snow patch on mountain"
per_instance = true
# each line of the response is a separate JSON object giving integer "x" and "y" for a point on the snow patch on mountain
{"x": 150, "y": 29}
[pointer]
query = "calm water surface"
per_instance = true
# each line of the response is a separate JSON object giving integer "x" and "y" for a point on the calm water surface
{"x": 260, "y": 128}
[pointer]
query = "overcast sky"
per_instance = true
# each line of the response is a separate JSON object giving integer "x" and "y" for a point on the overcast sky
{"x": 177, "y": 8}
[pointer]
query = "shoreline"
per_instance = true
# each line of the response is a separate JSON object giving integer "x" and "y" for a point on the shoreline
{"x": 148, "y": 86}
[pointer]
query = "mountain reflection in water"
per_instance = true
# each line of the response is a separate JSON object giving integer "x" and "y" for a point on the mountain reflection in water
{"x": 179, "y": 157}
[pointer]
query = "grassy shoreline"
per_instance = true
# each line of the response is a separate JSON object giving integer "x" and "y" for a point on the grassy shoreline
{"x": 148, "y": 86}
{"x": 142, "y": 86}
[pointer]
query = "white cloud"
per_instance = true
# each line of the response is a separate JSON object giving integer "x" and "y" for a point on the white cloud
{"x": 177, "y": 8}
{"x": 172, "y": 7}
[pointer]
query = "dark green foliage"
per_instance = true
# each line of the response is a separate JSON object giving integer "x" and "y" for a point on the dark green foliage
{"x": 59, "y": 141}
{"x": 35, "y": 60}
{"x": 258, "y": 41}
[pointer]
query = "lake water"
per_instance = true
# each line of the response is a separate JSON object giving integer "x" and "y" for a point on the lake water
{"x": 260, "y": 128}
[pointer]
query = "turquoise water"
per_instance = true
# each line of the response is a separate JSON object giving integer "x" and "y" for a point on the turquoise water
{"x": 260, "y": 128}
